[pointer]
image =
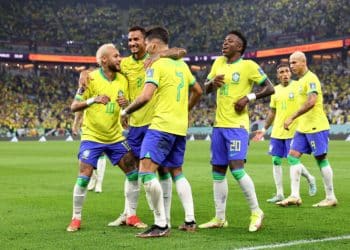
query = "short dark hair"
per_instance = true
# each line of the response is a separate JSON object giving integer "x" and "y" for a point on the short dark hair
{"x": 138, "y": 28}
{"x": 282, "y": 65}
{"x": 159, "y": 33}
{"x": 243, "y": 39}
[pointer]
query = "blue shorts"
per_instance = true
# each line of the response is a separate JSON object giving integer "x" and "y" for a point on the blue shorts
{"x": 90, "y": 151}
{"x": 315, "y": 143}
{"x": 163, "y": 148}
{"x": 135, "y": 138}
{"x": 279, "y": 147}
{"x": 228, "y": 144}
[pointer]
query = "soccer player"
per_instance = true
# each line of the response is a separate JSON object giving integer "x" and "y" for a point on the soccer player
{"x": 102, "y": 130}
{"x": 167, "y": 81}
{"x": 232, "y": 78}
{"x": 133, "y": 68}
{"x": 311, "y": 133}
{"x": 96, "y": 179}
{"x": 283, "y": 104}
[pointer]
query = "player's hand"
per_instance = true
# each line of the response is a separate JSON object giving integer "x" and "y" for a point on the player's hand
{"x": 124, "y": 119}
{"x": 150, "y": 60}
{"x": 259, "y": 134}
{"x": 122, "y": 101}
{"x": 241, "y": 104}
{"x": 287, "y": 123}
{"x": 75, "y": 131}
{"x": 218, "y": 81}
{"x": 103, "y": 99}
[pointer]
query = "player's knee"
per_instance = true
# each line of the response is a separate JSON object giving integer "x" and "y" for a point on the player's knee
{"x": 83, "y": 181}
{"x": 322, "y": 163}
{"x": 132, "y": 176}
{"x": 217, "y": 176}
{"x": 276, "y": 160}
{"x": 238, "y": 173}
{"x": 293, "y": 160}
{"x": 146, "y": 177}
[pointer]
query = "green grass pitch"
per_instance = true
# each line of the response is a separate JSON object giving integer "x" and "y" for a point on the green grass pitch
{"x": 36, "y": 203}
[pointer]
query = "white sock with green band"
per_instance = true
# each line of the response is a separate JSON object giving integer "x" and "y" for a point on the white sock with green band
{"x": 247, "y": 186}
{"x": 327, "y": 174}
{"x": 220, "y": 189}
{"x": 184, "y": 191}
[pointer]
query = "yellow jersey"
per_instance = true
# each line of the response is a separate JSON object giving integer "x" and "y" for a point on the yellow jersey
{"x": 240, "y": 76}
{"x": 134, "y": 72}
{"x": 101, "y": 123}
{"x": 314, "y": 120}
{"x": 285, "y": 103}
{"x": 173, "y": 79}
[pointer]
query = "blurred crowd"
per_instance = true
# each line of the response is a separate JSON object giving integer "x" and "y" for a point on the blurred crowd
{"x": 80, "y": 27}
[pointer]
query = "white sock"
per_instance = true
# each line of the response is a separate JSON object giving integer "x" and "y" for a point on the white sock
{"x": 79, "y": 194}
{"x": 220, "y": 188}
{"x": 132, "y": 195}
{"x": 278, "y": 177}
{"x": 126, "y": 204}
{"x": 101, "y": 167}
{"x": 327, "y": 174}
{"x": 306, "y": 173}
{"x": 155, "y": 193}
{"x": 184, "y": 191}
{"x": 248, "y": 189}
{"x": 166, "y": 185}
{"x": 295, "y": 172}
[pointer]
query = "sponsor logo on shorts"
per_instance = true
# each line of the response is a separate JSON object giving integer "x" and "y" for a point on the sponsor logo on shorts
{"x": 86, "y": 154}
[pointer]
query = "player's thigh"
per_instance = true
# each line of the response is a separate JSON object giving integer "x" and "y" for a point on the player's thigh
{"x": 120, "y": 154}
{"x": 218, "y": 148}
{"x": 176, "y": 155}
{"x": 299, "y": 145}
{"x": 89, "y": 152}
{"x": 318, "y": 142}
{"x": 237, "y": 140}
{"x": 156, "y": 146}
{"x": 278, "y": 148}
{"x": 135, "y": 138}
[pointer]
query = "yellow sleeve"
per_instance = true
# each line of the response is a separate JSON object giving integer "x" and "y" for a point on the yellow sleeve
{"x": 153, "y": 74}
{"x": 257, "y": 74}
{"x": 273, "y": 101}
{"x": 212, "y": 72}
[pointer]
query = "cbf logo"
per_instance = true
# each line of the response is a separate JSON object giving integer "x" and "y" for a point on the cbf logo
{"x": 312, "y": 86}
{"x": 85, "y": 154}
{"x": 235, "y": 77}
{"x": 149, "y": 72}
{"x": 291, "y": 96}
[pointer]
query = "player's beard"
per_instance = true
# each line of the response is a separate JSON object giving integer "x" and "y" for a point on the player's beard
{"x": 113, "y": 68}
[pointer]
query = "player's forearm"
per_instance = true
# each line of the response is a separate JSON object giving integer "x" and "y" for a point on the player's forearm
{"x": 79, "y": 106}
{"x": 136, "y": 105}
{"x": 269, "y": 120}
{"x": 196, "y": 93}
{"x": 307, "y": 106}
{"x": 267, "y": 90}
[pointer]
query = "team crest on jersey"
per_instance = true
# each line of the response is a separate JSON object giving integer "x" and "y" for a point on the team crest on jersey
{"x": 149, "y": 72}
{"x": 291, "y": 96}
{"x": 261, "y": 71}
{"x": 235, "y": 77}
{"x": 86, "y": 154}
{"x": 312, "y": 85}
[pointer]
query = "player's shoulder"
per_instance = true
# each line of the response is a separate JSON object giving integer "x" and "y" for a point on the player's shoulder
{"x": 121, "y": 77}
{"x": 95, "y": 74}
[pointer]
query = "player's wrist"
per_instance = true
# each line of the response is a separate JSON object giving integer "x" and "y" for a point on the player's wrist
{"x": 124, "y": 113}
{"x": 251, "y": 96}
{"x": 90, "y": 101}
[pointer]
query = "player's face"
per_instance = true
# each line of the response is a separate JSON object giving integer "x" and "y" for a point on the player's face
{"x": 284, "y": 75}
{"x": 151, "y": 46}
{"x": 296, "y": 65}
{"x": 136, "y": 42}
{"x": 232, "y": 44}
{"x": 113, "y": 60}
